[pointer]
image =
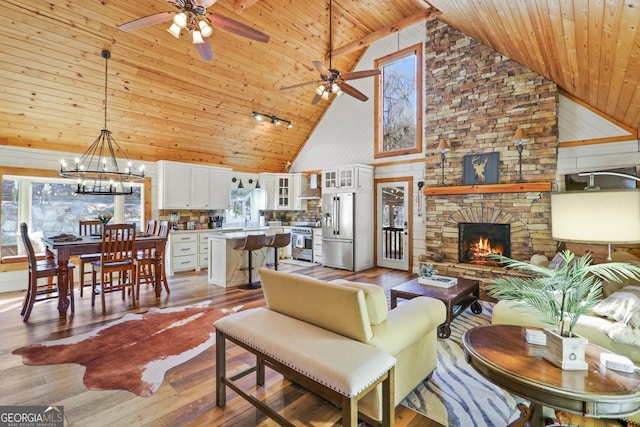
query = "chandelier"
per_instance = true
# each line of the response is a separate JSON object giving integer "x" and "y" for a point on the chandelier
{"x": 97, "y": 171}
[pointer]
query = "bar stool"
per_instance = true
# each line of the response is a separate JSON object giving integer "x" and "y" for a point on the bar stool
{"x": 279, "y": 240}
{"x": 251, "y": 242}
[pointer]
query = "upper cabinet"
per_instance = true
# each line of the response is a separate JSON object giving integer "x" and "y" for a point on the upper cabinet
{"x": 282, "y": 190}
{"x": 347, "y": 178}
{"x": 187, "y": 186}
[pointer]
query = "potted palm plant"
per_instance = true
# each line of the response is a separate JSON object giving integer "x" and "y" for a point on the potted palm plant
{"x": 560, "y": 295}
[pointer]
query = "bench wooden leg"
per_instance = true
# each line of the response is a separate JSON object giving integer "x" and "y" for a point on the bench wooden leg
{"x": 259, "y": 370}
{"x": 388, "y": 399}
{"x": 221, "y": 361}
{"x": 349, "y": 412}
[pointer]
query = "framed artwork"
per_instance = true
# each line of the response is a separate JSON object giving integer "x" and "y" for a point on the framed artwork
{"x": 480, "y": 169}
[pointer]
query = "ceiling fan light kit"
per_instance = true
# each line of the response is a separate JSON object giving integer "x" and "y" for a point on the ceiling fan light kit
{"x": 333, "y": 81}
{"x": 193, "y": 17}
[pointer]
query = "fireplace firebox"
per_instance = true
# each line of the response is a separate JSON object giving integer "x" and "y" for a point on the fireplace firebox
{"x": 477, "y": 241}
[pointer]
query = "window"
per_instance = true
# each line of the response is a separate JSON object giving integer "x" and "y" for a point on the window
{"x": 398, "y": 103}
{"x": 50, "y": 207}
{"x": 244, "y": 209}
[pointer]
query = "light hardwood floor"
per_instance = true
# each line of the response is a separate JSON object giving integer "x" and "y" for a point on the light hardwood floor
{"x": 187, "y": 395}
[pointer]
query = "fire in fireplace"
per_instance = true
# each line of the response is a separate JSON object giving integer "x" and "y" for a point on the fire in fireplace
{"x": 477, "y": 241}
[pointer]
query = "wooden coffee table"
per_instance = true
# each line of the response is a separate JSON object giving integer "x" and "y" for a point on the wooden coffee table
{"x": 501, "y": 354}
{"x": 456, "y": 298}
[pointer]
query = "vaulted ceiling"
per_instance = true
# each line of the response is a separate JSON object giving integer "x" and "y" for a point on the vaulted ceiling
{"x": 165, "y": 102}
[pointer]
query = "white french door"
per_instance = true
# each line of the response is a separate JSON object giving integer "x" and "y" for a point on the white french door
{"x": 393, "y": 221}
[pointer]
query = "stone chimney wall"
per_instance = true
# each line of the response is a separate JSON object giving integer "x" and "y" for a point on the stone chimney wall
{"x": 477, "y": 98}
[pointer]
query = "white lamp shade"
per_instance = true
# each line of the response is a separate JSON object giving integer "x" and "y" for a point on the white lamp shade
{"x": 605, "y": 216}
{"x": 180, "y": 19}
{"x": 205, "y": 28}
{"x": 197, "y": 37}
{"x": 174, "y": 30}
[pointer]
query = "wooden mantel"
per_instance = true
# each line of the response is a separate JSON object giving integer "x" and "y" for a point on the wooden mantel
{"x": 488, "y": 188}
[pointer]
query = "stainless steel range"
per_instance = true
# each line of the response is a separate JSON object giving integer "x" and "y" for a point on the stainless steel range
{"x": 302, "y": 243}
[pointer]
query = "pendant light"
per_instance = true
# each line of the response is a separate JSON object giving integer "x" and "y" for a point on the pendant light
{"x": 97, "y": 172}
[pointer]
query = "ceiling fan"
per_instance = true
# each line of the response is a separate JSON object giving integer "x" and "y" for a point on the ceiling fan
{"x": 193, "y": 17}
{"x": 333, "y": 81}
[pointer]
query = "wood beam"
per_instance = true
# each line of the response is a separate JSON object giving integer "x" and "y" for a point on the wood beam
{"x": 371, "y": 38}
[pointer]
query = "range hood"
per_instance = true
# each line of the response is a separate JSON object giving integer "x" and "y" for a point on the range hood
{"x": 313, "y": 192}
{"x": 310, "y": 194}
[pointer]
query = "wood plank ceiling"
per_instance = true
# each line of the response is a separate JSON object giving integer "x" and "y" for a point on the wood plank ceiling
{"x": 164, "y": 102}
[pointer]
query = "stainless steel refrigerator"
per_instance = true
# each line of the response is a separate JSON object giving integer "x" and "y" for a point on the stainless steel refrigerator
{"x": 338, "y": 215}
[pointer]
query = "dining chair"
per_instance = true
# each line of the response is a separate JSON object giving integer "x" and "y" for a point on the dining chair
{"x": 116, "y": 256}
{"x": 48, "y": 269}
{"x": 88, "y": 228}
{"x": 152, "y": 227}
{"x": 145, "y": 267}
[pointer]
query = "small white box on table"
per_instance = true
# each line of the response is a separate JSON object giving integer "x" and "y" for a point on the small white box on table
{"x": 439, "y": 281}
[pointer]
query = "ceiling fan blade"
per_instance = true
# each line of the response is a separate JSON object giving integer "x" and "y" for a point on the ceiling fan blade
{"x": 316, "y": 99}
{"x": 156, "y": 18}
{"x": 204, "y": 49}
{"x": 350, "y": 90}
{"x": 359, "y": 74}
{"x": 238, "y": 28}
{"x": 300, "y": 85}
{"x": 322, "y": 68}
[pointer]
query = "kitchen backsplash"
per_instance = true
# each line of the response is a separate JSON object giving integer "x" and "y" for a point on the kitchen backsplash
{"x": 200, "y": 218}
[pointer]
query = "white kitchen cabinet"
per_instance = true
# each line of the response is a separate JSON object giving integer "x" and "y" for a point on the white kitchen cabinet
{"x": 187, "y": 251}
{"x": 268, "y": 185}
{"x": 203, "y": 250}
{"x": 298, "y": 186}
{"x": 317, "y": 245}
{"x": 282, "y": 190}
{"x": 182, "y": 252}
{"x": 186, "y": 186}
{"x": 348, "y": 178}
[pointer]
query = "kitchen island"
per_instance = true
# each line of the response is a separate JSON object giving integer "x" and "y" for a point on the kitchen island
{"x": 227, "y": 265}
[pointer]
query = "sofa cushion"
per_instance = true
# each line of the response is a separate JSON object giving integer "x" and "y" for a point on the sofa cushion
{"x": 375, "y": 298}
{"x": 622, "y": 306}
{"x": 337, "y": 308}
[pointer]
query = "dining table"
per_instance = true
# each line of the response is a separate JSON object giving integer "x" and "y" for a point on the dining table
{"x": 62, "y": 249}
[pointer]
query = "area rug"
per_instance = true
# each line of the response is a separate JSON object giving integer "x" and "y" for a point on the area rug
{"x": 133, "y": 353}
{"x": 456, "y": 395}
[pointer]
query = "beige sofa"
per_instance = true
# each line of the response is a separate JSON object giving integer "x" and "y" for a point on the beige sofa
{"x": 360, "y": 311}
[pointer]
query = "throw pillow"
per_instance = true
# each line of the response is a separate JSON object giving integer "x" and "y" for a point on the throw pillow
{"x": 609, "y": 287}
{"x": 622, "y": 306}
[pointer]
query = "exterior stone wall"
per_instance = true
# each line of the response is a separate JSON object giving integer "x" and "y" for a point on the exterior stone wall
{"x": 478, "y": 98}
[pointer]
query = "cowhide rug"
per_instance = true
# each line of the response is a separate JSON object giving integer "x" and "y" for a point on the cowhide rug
{"x": 134, "y": 352}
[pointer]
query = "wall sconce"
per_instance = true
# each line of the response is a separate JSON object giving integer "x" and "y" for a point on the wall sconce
{"x": 274, "y": 120}
{"x": 520, "y": 138}
{"x": 443, "y": 147}
{"x": 234, "y": 179}
{"x": 257, "y": 183}
{"x": 420, "y": 196}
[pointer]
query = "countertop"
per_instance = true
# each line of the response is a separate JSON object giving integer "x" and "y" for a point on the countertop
{"x": 238, "y": 234}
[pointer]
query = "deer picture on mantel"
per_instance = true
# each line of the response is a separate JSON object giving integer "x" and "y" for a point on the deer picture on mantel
{"x": 479, "y": 166}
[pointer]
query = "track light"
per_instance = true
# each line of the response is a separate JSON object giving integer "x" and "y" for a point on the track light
{"x": 274, "y": 120}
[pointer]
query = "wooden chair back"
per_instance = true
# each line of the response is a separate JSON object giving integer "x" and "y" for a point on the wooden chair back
{"x": 31, "y": 253}
{"x": 90, "y": 227}
{"x": 152, "y": 227}
{"x": 118, "y": 243}
{"x": 163, "y": 229}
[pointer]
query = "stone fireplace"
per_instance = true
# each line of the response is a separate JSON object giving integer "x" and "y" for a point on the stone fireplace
{"x": 477, "y": 242}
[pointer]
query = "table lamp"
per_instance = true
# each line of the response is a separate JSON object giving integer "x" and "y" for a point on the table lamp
{"x": 443, "y": 147}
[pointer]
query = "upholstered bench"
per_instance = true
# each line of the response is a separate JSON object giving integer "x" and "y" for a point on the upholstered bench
{"x": 338, "y": 368}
